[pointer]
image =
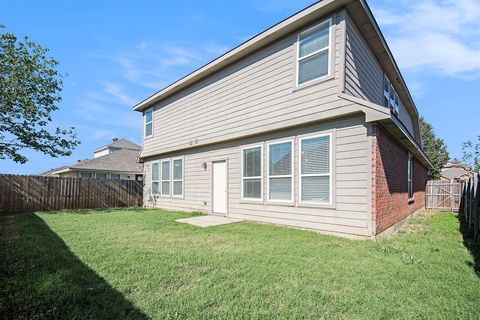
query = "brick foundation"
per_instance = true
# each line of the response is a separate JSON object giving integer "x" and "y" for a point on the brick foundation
{"x": 390, "y": 203}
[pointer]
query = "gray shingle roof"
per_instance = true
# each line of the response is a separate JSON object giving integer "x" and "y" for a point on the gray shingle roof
{"x": 122, "y": 144}
{"x": 452, "y": 173}
{"x": 52, "y": 171}
{"x": 124, "y": 160}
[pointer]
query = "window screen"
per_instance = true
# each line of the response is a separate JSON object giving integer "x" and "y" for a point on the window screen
{"x": 148, "y": 122}
{"x": 252, "y": 173}
{"x": 315, "y": 167}
{"x": 155, "y": 178}
{"x": 313, "y": 53}
{"x": 178, "y": 177}
{"x": 280, "y": 171}
{"x": 166, "y": 177}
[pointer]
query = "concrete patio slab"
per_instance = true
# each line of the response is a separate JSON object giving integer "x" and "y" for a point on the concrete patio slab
{"x": 208, "y": 221}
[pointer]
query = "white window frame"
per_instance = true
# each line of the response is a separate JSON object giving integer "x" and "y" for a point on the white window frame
{"x": 292, "y": 141}
{"x": 158, "y": 180}
{"x": 92, "y": 174}
{"x": 410, "y": 177}
{"x": 145, "y": 123}
{"x": 329, "y": 47}
{"x": 169, "y": 178}
{"x": 177, "y": 180}
{"x": 107, "y": 175}
{"x": 252, "y": 178}
{"x": 393, "y": 103}
{"x": 330, "y": 174}
{"x": 110, "y": 176}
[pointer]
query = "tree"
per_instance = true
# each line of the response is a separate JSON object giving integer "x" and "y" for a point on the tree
{"x": 30, "y": 89}
{"x": 435, "y": 149}
{"x": 471, "y": 154}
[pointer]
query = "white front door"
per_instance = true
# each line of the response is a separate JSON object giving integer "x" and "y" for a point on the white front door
{"x": 219, "y": 187}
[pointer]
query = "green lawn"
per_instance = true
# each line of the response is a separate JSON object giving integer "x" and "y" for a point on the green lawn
{"x": 141, "y": 264}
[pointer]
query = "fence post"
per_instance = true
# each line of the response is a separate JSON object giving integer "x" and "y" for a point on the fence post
{"x": 476, "y": 210}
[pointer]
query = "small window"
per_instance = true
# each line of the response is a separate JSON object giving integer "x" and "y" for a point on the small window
{"x": 252, "y": 173}
{"x": 315, "y": 170}
{"x": 313, "y": 60}
{"x": 155, "y": 178}
{"x": 148, "y": 118}
{"x": 410, "y": 176}
{"x": 87, "y": 175}
{"x": 178, "y": 177}
{"x": 280, "y": 171}
{"x": 114, "y": 176}
{"x": 166, "y": 177}
{"x": 101, "y": 175}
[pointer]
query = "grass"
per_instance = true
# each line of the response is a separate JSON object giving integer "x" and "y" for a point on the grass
{"x": 141, "y": 264}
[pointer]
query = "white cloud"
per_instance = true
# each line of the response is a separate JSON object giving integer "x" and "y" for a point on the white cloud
{"x": 96, "y": 108}
{"x": 439, "y": 36}
{"x": 118, "y": 92}
{"x": 154, "y": 65}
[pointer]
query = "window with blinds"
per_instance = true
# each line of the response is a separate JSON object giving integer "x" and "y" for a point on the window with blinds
{"x": 410, "y": 177}
{"x": 165, "y": 177}
{"x": 148, "y": 121}
{"x": 155, "y": 178}
{"x": 177, "y": 177}
{"x": 315, "y": 170}
{"x": 280, "y": 171}
{"x": 314, "y": 52}
{"x": 252, "y": 180}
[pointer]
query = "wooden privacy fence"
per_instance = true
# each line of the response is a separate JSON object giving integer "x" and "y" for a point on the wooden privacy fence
{"x": 442, "y": 195}
{"x": 19, "y": 194}
{"x": 470, "y": 205}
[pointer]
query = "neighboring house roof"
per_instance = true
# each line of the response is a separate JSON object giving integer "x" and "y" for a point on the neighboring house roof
{"x": 124, "y": 160}
{"x": 121, "y": 144}
{"x": 454, "y": 172}
{"x": 460, "y": 165}
{"x": 51, "y": 172}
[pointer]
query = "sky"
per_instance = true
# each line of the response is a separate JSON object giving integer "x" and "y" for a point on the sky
{"x": 116, "y": 53}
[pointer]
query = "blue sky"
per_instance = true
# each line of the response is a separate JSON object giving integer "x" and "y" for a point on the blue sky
{"x": 117, "y": 53}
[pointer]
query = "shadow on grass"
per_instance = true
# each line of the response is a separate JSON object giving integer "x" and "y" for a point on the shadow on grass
{"x": 41, "y": 278}
{"x": 100, "y": 210}
{"x": 469, "y": 243}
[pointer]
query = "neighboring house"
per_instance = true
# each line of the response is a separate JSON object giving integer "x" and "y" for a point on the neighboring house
{"x": 117, "y": 160}
{"x": 308, "y": 124}
{"x": 455, "y": 172}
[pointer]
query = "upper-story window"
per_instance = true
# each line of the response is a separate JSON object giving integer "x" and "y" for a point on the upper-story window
{"x": 148, "y": 120}
{"x": 390, "y": 97}
{"x": 314, "y": 53}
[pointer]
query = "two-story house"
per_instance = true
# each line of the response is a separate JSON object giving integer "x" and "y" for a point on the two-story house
{"x": 116, "y": 160}
{"x": 308, "y": 124}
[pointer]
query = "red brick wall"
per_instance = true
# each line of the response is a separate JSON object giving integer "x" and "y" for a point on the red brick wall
{"x": 390, "y": 203}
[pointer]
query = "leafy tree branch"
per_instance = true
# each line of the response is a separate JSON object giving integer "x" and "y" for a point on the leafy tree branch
{"x": 30, "y": 89}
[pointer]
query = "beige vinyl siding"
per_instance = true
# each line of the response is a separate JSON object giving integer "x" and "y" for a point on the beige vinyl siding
{"x": 363, "y": 73}
{"x": 253, "y": 95}
{"x": 405, "y": 118}
{"x": 350, "y": 176}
